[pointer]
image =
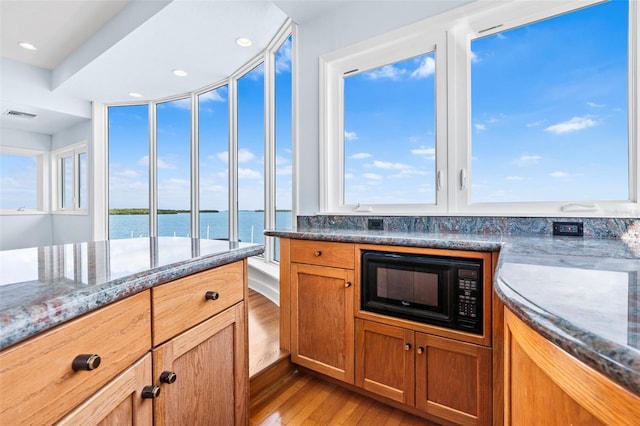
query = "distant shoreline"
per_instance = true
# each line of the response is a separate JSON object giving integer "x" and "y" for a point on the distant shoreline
{"x": 160, "y": 211}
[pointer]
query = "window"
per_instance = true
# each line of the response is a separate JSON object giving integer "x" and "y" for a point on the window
{"x": 70, "y": 179}
{"x": 250, "y": 156}
{"x": 128, "y": 148}
{"x": 22, "y": 173}
{"x": 532, "y": 110}
{"x": 213, "y": 143}
{"x": 557, "y": 127}
{"x": 173, "y": 167}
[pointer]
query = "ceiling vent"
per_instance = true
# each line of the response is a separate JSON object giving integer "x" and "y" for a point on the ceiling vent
{"x": 19, "y": 114}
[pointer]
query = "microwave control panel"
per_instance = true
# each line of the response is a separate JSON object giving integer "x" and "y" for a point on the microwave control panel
{"x": 469, "y": 295}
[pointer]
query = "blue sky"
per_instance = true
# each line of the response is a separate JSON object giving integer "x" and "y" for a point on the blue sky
{"x": 549, "y": 117}
{"x": 128, "y": 146}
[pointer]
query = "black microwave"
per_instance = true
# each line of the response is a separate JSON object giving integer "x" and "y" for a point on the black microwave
{"x": 436, "y": 290}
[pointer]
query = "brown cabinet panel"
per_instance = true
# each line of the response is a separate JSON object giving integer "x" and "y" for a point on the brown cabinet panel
{"x": 385, "y": 360}
{"x": 210, "y": 363}
{"x": 38, "y": 371}
{"x": 181, "y": 304}
{"x": 119, "y": 403}
{"x": 336, "y": 255}
{"x": 322, "y": 320}
{"x": 453, "y": 380}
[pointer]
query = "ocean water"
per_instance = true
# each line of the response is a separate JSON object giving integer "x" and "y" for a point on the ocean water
{"x": 212, "y": 225}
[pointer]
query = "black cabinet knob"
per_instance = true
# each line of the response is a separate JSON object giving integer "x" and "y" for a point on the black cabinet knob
{"x": 150, "y": 392}
{"x": 212, "y": 295}
{"x": 168, "y": 377}
{"x": 85, "y": 362}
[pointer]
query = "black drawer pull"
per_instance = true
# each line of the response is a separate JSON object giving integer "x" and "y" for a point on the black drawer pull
{"x": 86, "y": 362}
{"x": 212, "y": 295}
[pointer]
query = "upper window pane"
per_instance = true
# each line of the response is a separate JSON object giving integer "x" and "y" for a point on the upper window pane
{"x": 18, "y": 182}
{"x": 389, "y": 134}
{"x": 549, "y": 109}
{"x": 128, "y": 171}
{"x": 251, "y": 156}
{"x": 213, "y": 131}
{"x": 173, "y": 124}
{"x": 66, "y": 168}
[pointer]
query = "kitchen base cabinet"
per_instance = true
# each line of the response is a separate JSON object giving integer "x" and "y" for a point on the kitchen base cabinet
{"x": 210, "y": 365}
{"x": 441, "y": 377}
{"x": 119, "y": 403}
{"x": 453, "y": 380}
{"x": 322, "y": 320}
{"x": 545, "y": 383}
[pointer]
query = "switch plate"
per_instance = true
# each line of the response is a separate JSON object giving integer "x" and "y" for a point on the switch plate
{"x": 568, "y": 229}
{"x": 375, "y": 224}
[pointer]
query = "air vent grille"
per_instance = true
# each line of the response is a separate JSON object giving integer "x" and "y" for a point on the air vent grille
{"x": 20, "y": 114}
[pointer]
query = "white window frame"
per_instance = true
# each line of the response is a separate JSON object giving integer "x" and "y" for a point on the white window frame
{"x": 42, "y": 160}
{"x": 452, "y": 33}
{"x": 57, "y": 179}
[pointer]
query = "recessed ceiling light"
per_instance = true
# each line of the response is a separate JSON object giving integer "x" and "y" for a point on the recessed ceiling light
{"x": 180, "y": 73}
{"x": 243, "y": 41}
{"x": 135, "y": 94}
{"x": 27, "y": 46}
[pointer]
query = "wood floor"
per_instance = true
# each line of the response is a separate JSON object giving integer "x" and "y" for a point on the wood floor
{"x": 301, "y": 399}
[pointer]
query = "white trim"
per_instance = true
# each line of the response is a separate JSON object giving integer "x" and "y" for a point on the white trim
{"x": 264, "y": 277}
{"x": 100, "y": 166}
{"x": 57, "y": 185}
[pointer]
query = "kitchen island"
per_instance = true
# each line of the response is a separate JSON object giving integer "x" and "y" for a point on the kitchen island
{"x": 105, "y": 328}
{"x": 580, "y": 295}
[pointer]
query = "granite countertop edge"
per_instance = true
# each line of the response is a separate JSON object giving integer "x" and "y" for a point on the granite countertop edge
{"x": 20, "y": 323}
{"x": 617, "y": 362}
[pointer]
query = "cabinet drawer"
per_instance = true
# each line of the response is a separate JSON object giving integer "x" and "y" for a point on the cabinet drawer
{"x": 181, "y": 304}
{"x": 338, "y": 255}
{"x": 38, "y": 383}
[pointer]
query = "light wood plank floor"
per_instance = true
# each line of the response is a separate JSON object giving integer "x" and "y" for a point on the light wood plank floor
{"x": 306, "y": 400}
{"x": 300, "y": 398}
{"x": 264, "y": 333}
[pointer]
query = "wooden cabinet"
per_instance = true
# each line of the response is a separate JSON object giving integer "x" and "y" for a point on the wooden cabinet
{"x": 199, "y": 328}
{"x": 119, "y": 402}
{"x": 322, "y": 336}
{"x": 38, "y": 383}
{"x": 441, "y": 377}
{"x": 211, "y": 368}
{"x": 544, "y": 382}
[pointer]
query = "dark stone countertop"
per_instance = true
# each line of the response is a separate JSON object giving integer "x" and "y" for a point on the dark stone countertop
{"x": 581, "y": 294}
{"x": 46, "y": 286}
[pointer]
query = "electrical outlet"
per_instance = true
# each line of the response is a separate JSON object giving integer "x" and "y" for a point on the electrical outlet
{"x": 568, "y": 229}
{"x": 375, "y": 224}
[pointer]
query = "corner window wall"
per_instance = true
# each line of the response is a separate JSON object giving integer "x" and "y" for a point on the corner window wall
{"x": 167, "y": 179}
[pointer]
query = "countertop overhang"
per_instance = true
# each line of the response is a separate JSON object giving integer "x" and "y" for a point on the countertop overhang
{"x": 581, "y": 294}
{"x": 45, "y": 286}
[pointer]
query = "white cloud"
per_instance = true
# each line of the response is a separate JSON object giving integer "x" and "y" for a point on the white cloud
{"x": 428, "y": 153}
{"x": 127, "y": 173}
{"x": 245, "y": 155}
{"x": 372, "y": 176}
{"x": 575, "y": 124}
{"x": 387, "y": 165}
{"x": 559, "y": 175}
{"x": 284, "y": 170}
{"x": 180, "y": 103}
{"x": 536, "y": 123}
{"x": 248, "y": 174}
{"x": 216, "y": 95}
{"x": 280, "y": 161}
{"x": 388, "y": 71}
{"x": 427, "y": 68}
{"x": 526, "y": 160}
{"x": 480, "y": 127}
{"x": 595, "y": 105}
{"x": 474, "y": 57}
{"x": 283, "y": 57}
{"x": 223, "y": 156}
{"x": 350, "y": 136}
{"x": 514, "y": 178}
{"x": 348, "y": 176}
{"x": 360, "y": 155}
{"x": 144, "y": 161}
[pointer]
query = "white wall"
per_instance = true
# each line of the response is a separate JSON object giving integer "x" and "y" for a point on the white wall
{"x": 355, "y": 22}
{"x": 74, "y": 228}
{"x": 25, "y": 230}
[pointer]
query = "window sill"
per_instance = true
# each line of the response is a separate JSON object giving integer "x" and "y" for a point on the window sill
{"x": 22, "y": 212}
{"x": 271, "y": 269}
{"x": 71, "y": 212}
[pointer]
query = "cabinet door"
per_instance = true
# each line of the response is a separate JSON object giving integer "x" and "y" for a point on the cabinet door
{"x": 453, "y": 380}
{"x": 119, "y": 402}
{"x": 385, "y": 360}
{"x": 211, "y": 368}
{"x": 322, "y": 334}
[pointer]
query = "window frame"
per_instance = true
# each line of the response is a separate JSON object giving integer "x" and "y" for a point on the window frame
{"x": 42, "y": 192}
{"x": 57, "y": 179}
{"x": 455, "y": 30}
